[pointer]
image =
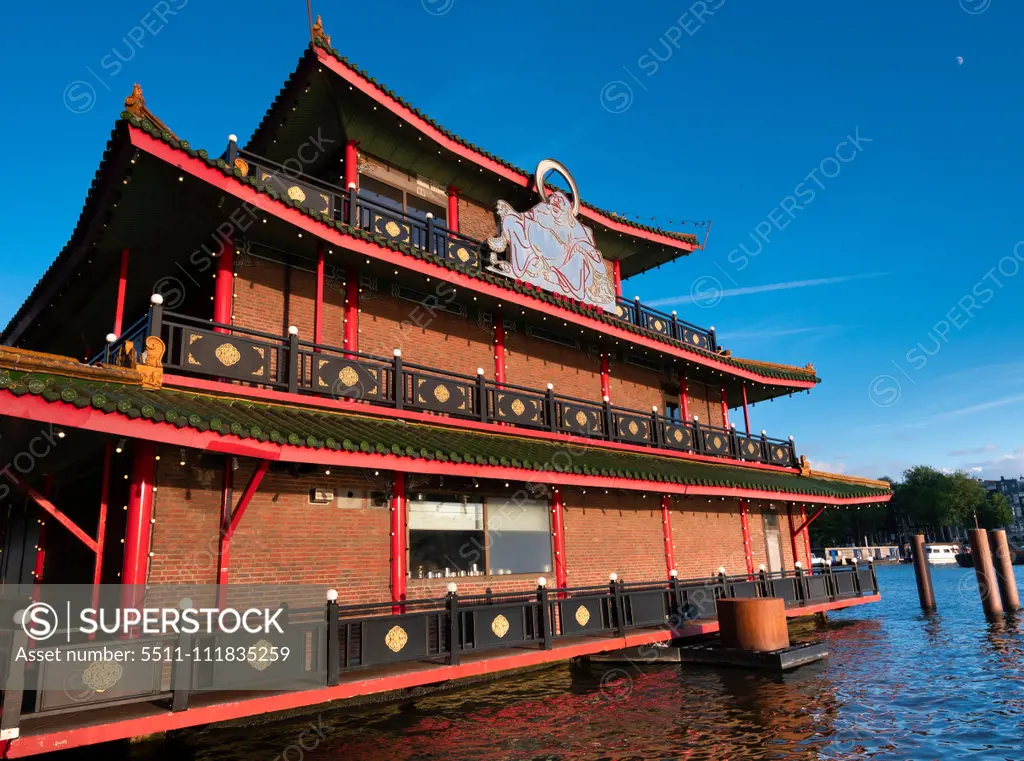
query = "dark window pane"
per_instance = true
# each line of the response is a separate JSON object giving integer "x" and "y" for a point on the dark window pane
{"x": 418, "y": 207}
{"x": 520, "y": 537}
{"x": 381, "y": 193}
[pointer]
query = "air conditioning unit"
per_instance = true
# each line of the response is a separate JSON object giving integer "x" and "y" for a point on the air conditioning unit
{"x": 321, "y": 496}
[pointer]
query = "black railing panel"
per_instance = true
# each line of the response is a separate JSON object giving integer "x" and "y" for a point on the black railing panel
{"x": 749, "y": 447}
{"x": 508, "y": 405}
{"x": 578, "y": 417}
{"x": 442, "y": 394}
{"x": 631, "y": 427}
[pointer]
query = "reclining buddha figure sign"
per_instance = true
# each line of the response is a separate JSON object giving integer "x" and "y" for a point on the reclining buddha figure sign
{"x": 549, "y": 247}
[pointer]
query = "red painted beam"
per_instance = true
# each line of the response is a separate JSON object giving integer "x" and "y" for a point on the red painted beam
{"x": 101, "y": 527}
{"x": 666, "y": 525}
{"x": 746, "y": 410}
{"x": 793, "y": 535}
{"x": 254, "y": 198}
{"x": 806, "y": 534}
{"x": 558, "y": 539}
{"x": 138, "y": 531}
{"x": 499, "y": 347}
{"x": 351, "y": 167}
{"x": 453, "y": 209}
{"x": 318, "y": 303}
{"x": 31, "y": 407}
{"x": 49, "y": 507}
{"x": 352, "y": 310}
{"x": 398, "y": 539}
{"x": 725, "y": 408}
{"x": 122, "y": 288}
{"x": 748, "y": 550}
{"x": 807, "y": 522}
{"x": 684, "y": 400}
{"x": 247, "y": 495}
{"x": 617, "y": 274}
{"x": 224, "y": 287}
{"x": 606, "y": 380}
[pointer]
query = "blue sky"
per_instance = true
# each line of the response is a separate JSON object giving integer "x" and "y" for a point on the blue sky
{"x": 864, "y": 183}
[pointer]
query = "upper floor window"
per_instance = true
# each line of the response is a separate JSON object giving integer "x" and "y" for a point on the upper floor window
{"x": 412, "y": 195}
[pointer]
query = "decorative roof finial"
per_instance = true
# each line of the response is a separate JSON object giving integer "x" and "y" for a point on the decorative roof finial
{"x": 318, "y": 32}
{"x": 135, "y": 103}
{"x": 809, "y": 367}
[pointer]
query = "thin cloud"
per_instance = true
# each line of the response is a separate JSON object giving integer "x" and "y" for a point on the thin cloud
{"x": 786, "y": 331}
{"x": 718, "y": 295}
{"x": 948, "y": 414}
{"x": 975, "y": 450}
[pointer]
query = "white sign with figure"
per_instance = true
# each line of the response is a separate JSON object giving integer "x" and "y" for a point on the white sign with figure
{"x": 549, "y": 247}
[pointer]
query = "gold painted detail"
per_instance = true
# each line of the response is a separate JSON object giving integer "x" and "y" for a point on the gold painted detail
{"x": 618, "y": 311}
{"x": 779, "y": 453}
{"x": 152, "y": 368}
{"x": 716, "y": 442}
{"x": 499, "y": 626}
{"x": 441, "y": 393}
{"x": 102, "y": 675}
{"x": 296, "y": 193}
{"x": 518, "y": 407}
{"x": 392, "y": 228}
{"x": 258, "y": 656}
{"x": 242, "y": 167}
{"x": 581, "y": 418}
{"x": 658, "y": 325}
{"x": 633, "y": 427}
{"x": 348, "y": 376}
{"x": 582, "y": 615}
{"x": 227, "y": 355}
{"x": 462, "y": 254}
{"x": 677, "y": 435}
{"x": 396, "y": 638}
{"x": 695, "y": 338}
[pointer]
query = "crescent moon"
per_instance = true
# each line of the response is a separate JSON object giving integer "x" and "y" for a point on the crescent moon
{"x": 545, "y": 166}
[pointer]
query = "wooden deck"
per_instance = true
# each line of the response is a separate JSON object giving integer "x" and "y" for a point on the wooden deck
{"x": 57, "y": 732}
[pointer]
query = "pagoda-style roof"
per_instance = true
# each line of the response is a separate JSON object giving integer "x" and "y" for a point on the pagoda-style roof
{"x": 131, "y": 183}
{"x": 313, "y": 101}
{"x": 130, "y": 401}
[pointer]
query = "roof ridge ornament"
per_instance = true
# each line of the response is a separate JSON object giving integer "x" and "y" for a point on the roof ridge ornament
{"x": 135, "y": 104}
{"x": 318, "y": 32}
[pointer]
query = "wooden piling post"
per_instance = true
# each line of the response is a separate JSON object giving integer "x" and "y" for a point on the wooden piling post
{"x": 923, "y": 573}
{"x": 988, "y": 586}
{"x": 1003, "y": 561}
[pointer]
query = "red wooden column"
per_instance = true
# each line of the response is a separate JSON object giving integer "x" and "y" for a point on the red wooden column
{"x": 499, "y": 347}
{"x": 684, "y": 400}
{"x": 140, "y": 514}
{"x": 558, "y": 535}
{"x": 453, "y": 208}
{"x": 101, "y": 528}
{"x": 806, "y": 531}
{"x": 351, "y": 164}
{"x": 666, "y": 523}
{"x": 352, "y": 310}
{"x": 725, "y": 408}
{"x": 748, "y": 550}
{"x": 606, "y": 381}
{"x": 224, "y": 287}
{"x": 746, "y": 410}
{"x": 318, "y": 304}
{"x": 793, "y": 533}
{"x": 398, "y": 540}
{"x": 617, "y": 273}
{"x": 37, "y": 571}
{"x": 122, "y": 287}
{"x": 231, "y": 518}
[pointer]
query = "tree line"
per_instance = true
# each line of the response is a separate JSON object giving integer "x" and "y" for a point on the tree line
{"x": 939, "y": 505}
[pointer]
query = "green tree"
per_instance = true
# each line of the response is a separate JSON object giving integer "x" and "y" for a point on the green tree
{"x": 961, "y": 500}
{"x": 995, "y": 511}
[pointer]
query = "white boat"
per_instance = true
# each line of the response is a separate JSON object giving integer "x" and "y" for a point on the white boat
{"x": 941, "y": 554}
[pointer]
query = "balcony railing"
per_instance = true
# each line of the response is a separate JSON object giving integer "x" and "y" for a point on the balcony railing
{"x": 198, "y": 347}
{"x": 319, "y": 645}
{"x": 429, "y": 234}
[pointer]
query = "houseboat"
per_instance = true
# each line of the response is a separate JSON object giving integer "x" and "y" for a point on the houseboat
{"x": 364, "y": 363}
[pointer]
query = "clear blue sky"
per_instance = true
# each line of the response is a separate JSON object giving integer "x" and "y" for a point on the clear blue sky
{"x": 882, "y": 261}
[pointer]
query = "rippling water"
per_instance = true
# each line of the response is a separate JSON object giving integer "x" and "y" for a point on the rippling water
{"x": 898, "y": 685}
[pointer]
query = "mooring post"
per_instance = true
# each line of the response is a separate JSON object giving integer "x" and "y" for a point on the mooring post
{"x": 1004, "y": 570}
{"x": 985, "y": 572}
{"x": 923, "y": 573}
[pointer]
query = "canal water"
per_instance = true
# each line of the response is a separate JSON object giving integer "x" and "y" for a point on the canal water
{"x": 898, "y": 685}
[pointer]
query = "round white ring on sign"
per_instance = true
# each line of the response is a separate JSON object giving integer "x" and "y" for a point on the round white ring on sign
{"x": 547, "y": 165}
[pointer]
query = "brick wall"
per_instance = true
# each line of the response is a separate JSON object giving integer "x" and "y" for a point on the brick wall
{"x": 636, "y": 387}
{"x": 705, "y": 402}
{"x": 705, "y": 536}
{"x": 614, "y": 532}
{"x": 757, "y": 536}
{"x": 476, "y": 220}
{"x": 535, "y": 363}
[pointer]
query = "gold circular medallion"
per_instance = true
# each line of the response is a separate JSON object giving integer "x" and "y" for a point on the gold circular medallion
{"x": 581, "y": 418}
{"x": 779, "y": 453}
{"x": 696, "y": 338}
{"x": 227, "y": 355}
{"x": 462, "y": 255}
{"x": 717, "y": 442}
{"x": 633, "y": 427}
{"x": 396, "y": 638}
{"x": 657, "y": 325}
{"x": 678, "y": 435}
{"x": 392, "y": 228}
{"x": 441, "y": 393}
{"x": 258, "y": 655}
{"x": 295, "y": 193}
{"x": 582, "y": 615}
{"x": 618, "y": 311}
{"x": 348, "y": 376}
{"x": 102, "y": 675}
{"x": 518, "y": 407}
{"x": 499, "y": 626}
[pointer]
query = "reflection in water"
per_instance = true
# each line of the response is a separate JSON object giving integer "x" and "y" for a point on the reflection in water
{"x": 898, "y": 685}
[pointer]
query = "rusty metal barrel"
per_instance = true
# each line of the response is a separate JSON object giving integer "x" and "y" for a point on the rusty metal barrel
{"x": 753, "y": 624}
{"x": 985, "y": 572}
{"x": 1003, "y": 562}
{"x": 923, "y": 573}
